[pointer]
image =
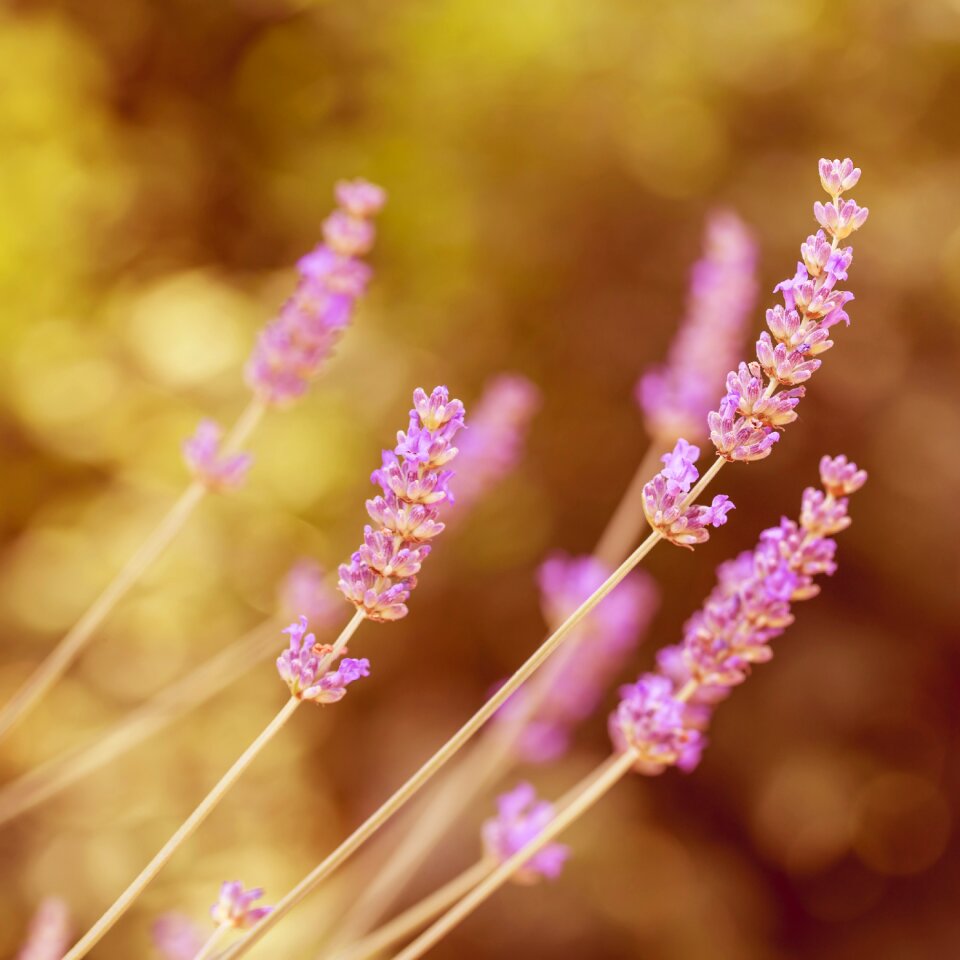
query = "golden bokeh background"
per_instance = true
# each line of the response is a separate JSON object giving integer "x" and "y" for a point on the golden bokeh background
{"x": 549, "y": 165}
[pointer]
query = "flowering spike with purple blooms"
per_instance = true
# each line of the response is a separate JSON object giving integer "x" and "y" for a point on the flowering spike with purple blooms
{"x": 302, "y": 666}
{"x": 580, "y": 676}
{"x": 663, "y": 715}
{"x": 291, "y": 350}
{"x": 762, "y": 395}
{"x": 520, "y": 817}
{"x": 723, "y": 290}
{"x": 205, "y": 461}
{"x": 664, "y": 496}
{"x": 234, "y": 908}
{"x": 493, "y": 444}
{"x": 49, "y": 934}
{"x": 415, "y": 484}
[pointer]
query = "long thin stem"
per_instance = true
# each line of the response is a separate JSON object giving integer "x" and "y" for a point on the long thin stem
{"x": 185, "y": 831}
{"x": 68, "y": 649}
{"x": 201, "y": 684}
{"x": 607, "y": 775}
{"x": 420, "y": 913}
{"x": 446, "y": 753}
{"x": 214, "y": 940}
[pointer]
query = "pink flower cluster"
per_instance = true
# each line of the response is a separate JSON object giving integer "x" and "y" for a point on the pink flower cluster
{"x": 521, "y": 817}
{"x": 303, "y": 667}
{"x": 723, "y": 290}
{"x": 665, "y": 496}
{"x": 762, "y": 395}
{"x": 293, "y": 347}
{"x": 662, "y": 715}
{"x": 234, "y": 907}
{"x": 205, "y": 461}
{"x": 415, "y": 482}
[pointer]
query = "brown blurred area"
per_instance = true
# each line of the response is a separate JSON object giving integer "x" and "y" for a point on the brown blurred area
{"x": 549, "y": 164}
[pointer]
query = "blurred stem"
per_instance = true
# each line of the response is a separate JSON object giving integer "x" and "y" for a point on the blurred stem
{"x": 419, "y": 914}
{"x": 165, "y": 707}
{"x": 605, "y": 777}
{"x": 449, "y": 750}
{"x": 206, "y": 951}
{"x": 62, "y": 656}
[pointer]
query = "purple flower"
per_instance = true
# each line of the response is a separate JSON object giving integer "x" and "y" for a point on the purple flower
{"x": 303, "y": 667}
{"x": 177, "y": 937}
{"x": 840, "y": 477}
{"x": 577, "y": 679}
{"x": 235, "y": 907}
{"x": 305, "y": 590}
{"x": 665, "y": 495}
{"x": 204, "y": 460}
{"x": 652, "y": 721}
{"x": 723, "y": 289}
{"x": 49, "y": 934}
{"x": 291, "y": 350}
{"x": 493, "y": 444}
{"x": 751, "y": 603}
{"x": 762, "y": 396}
{"x": 520, "y": 818}
{"x": 381, "y": 574}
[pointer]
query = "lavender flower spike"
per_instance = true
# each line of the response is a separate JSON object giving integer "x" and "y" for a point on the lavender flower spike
{"x": 291, "y": 350}
{"x": 300, "y": 666}
{"x": 202, "y": 455}
{"x": 762, "y": 395}
{"x": 234, "y": 908}
{"x": 663, "y": 716}
{"x": 50, "y": 932}
{"x": 494, "y": 442}
{"x": 723, "y": 290}
{"x": 520, "y": 817}
{"x": 415, "y": 483}
{"x": 177, "y": 937}
{"x": 664, "y": 496}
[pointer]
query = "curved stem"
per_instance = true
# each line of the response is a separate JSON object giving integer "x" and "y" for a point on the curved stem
{"x": 201, "y": 684}
{"x": 606, "y": 776}
{"x": 68, "y": 649}
{"x": 186, "y": 830}
{"x": 419, "y": 914}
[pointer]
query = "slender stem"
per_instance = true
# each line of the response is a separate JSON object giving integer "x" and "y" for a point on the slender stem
{"x": 409, "y": 789}
{"x": 66, "y": 651}
{"x": 206, "y": 951}
{"x": 189, "y": 826}
{"x": 171, "y": 703}
{"x": 607, "y": 775}
{"x": 420, "y": 913}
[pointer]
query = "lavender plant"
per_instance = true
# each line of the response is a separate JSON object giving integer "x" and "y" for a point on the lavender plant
{"x": 650, "y": 728}
{"x": 288, "y": 355}
{"x": 744, "y": 429}
{"x": 49, "y": 933}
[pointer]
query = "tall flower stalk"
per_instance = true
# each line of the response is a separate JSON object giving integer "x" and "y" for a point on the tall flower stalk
{"x": 289, "y": 353}
{"x": 651, "y": 728}
{"x": 813, "y": 306}
{"x": 414, "y": 480}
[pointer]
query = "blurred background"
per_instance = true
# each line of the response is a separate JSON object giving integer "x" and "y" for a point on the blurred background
{"x": 549, "y": 165}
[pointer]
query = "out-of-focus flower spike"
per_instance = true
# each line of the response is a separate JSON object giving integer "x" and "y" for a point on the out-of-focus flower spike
{"x": 305, "y": 590}
{"x": 177, "y": 937}
{"x": 521, "y": 817}
{"x": 49, "y": 933}
{"x": 204, "y": 460}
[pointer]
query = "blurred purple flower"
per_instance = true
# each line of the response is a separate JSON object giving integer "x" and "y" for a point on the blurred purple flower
{"x": 49, "y": 933}
{"x": 293, "y": 347}
{"x": 381, "y": 574}
{"x": 492, "y": 446}
{"x": 723, "y": 290}
{"x": 665, "y": 494}
{"x": 305, "y": 590}
{"x": 744, "y": 426}
{"x": 177, "y": 937}
{"x": 579, "y": 677}
{"x": 302, "y": 668}
{"x": 234, "y": 907}
{"x": 202, "y": 455}
{"x": 521, "y": 817}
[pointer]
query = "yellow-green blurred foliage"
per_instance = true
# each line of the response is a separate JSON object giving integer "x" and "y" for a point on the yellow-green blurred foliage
{"x": 549, "y": 165}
